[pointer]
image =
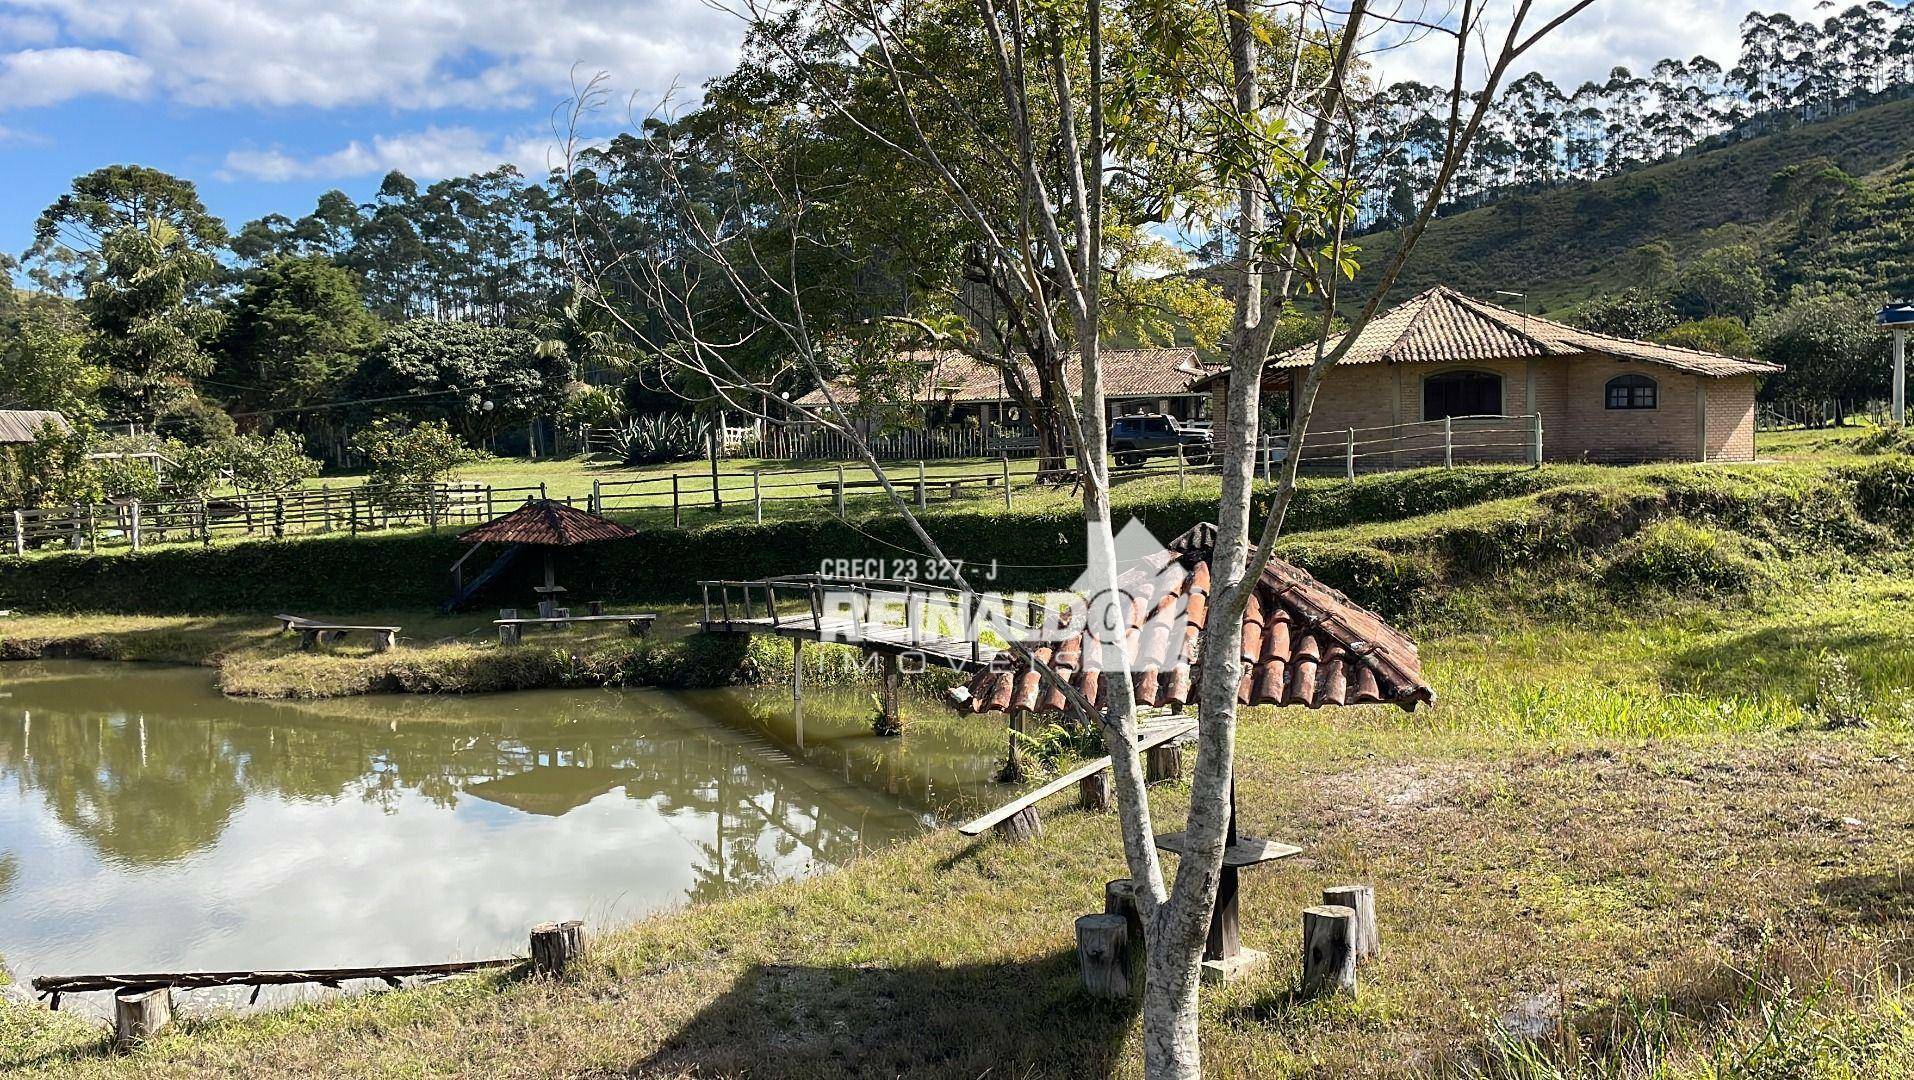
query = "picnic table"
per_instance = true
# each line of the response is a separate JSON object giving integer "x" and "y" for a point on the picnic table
{"x": 511, "y": 627}
{"x": 315, "y": 632}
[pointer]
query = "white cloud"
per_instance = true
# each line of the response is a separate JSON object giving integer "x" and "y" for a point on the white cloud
{"x": 433, "y": 152}
{"x": 400, "y": 53}
{"x": 47, "y": 76}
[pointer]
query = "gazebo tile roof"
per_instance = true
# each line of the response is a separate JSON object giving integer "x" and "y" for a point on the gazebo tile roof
{"x": 1304, "y": 643}
{"x": 547, "y": 522}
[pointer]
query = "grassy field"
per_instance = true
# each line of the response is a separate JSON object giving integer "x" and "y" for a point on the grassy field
{"x": 1658, "y": 839}
{"x": 1658, "y": 824}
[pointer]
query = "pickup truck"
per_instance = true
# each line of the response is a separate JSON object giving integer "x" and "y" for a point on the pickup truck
{"x": 1135, "y": 438}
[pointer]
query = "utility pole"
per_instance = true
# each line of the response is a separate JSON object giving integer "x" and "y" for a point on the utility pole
{"x": 1898, "y": 319}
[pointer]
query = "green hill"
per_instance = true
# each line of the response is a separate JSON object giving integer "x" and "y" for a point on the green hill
{"x": 1565, "y": 245}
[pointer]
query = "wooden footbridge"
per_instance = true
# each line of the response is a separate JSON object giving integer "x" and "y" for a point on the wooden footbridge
{"x": 881, "y": 616}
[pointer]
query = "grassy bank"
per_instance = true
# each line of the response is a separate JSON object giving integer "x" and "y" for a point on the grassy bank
{"x": 1655, "y": 838}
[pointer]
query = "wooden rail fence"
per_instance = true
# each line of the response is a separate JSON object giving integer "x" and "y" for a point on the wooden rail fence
{"x": 712, "y": 490}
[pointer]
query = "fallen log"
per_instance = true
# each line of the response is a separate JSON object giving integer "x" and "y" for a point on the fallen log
{"x": 390, "y": 974}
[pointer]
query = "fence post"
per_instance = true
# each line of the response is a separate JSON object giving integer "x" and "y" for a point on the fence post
{"x": 840, "y": 492}
{"x": 1535, "y": 446}
{"x": 489, "y": 512}
{"x": 19, "y": 533}
{"x": 205, "y": 523}
{"x": 1180, "y": 484}
{"x": 717, "y": 500}
{"x": 1006, "y": 475}
{"x": 325, "y": 507}
{"x": 597, "y": 503}
{"x": 352, "y": 510}
{"x": 1448, "y": 442}
{"x": 279, "y": 517}
{"x": 921, "y": 489}
{"x": 92, "y": 529}
{"x": 677, "y": 511}
{"x": 541, "y": 491}
{"x": 136, "y": 524}
{"x": 757, "y": 498}
{"x": 1349, "y": 453}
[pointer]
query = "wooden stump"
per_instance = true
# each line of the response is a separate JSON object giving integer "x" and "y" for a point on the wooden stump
{"x": 1365, "y": 937}
{"x": 596, "y": 607}
{"x": 1329, "y": 956}
{"x": 1161, "y": 763}
{"x": 508, "y": 634}
{"x": 1119, "y": 898}
{"x": 140, "y": 1014}
{"x": 555, "y": 945}
{"x": 382, "y": 641}
{"x": 1103, "y": 954}
{"x": 1022, "y": 825}
{"x": 1096, "y": 792}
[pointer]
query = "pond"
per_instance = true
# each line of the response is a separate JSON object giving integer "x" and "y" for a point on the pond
{"x": 148, "y": 823}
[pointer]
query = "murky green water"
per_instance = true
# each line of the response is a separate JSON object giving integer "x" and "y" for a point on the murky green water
{"x": 148, "y": 823}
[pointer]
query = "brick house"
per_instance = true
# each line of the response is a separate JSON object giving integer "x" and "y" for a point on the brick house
{"x": 1492, "y": 373}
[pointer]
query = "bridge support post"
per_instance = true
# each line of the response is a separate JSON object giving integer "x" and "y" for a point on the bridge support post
{"x": 797, "y": 669}
{"x": 890, "y": 713}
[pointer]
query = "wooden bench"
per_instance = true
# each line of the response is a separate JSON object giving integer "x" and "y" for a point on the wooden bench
{"x": 509, "y": 629}
{"x": 313, "y": 634}
{"x": 287, "y": 622}
{"x": 1147, "y": 739}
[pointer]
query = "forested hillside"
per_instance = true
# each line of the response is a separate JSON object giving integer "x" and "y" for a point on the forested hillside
{"x": 1812, "y": 224}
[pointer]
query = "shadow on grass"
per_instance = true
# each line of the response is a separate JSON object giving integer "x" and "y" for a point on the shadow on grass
{"x": 1789, "y": 659}
{"x": 1871, "y": 898}
{"x": 1004, "y": 1019}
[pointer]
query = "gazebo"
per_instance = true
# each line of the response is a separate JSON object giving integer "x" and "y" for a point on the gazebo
{"x": 545, "y": 523}
{"x": 1304, "y": 643}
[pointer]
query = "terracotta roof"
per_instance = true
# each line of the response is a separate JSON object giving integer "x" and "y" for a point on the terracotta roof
{"x": 1440, "y": 325}
{"x": 964, "y": 380}
{"x": 1304, "y": 643}
{"x": 546, "y": 522}
{"x": 23, "y": 425}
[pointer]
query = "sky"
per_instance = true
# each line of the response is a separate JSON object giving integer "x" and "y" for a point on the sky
{"x": 266, "y": 104}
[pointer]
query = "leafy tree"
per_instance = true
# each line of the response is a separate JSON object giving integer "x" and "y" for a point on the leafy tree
{"x": 297, "y": 333}
{"x": 50, "y": 471}
{"x": 1631, "y": 313}
{"x": 1720, "y": 334}
{"x": 1829, "y": 344}
{"x": 1727, "y": 280}
{"x": 44, "y": 365}
{"x": 402, "y": 455}
{"x": 1651, "y": 263}
{"x": 477, "y": 378}
{"x": 146, "y": 306}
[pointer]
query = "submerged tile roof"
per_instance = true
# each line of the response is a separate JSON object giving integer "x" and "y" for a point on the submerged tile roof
{"x": 23, "y": 425}
{"x": 1304, "y": 643}
{"x": 546, "y": 522}
{"x": 1440, "y": 325}
{"x": 964, "y": 380}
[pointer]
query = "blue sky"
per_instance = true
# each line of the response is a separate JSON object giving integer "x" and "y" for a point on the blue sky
{"x": 265, "y": 104}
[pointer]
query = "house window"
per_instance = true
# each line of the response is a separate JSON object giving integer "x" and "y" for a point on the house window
{"x": 1461, "y": 393}
{"x": 1631, "y": 392}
